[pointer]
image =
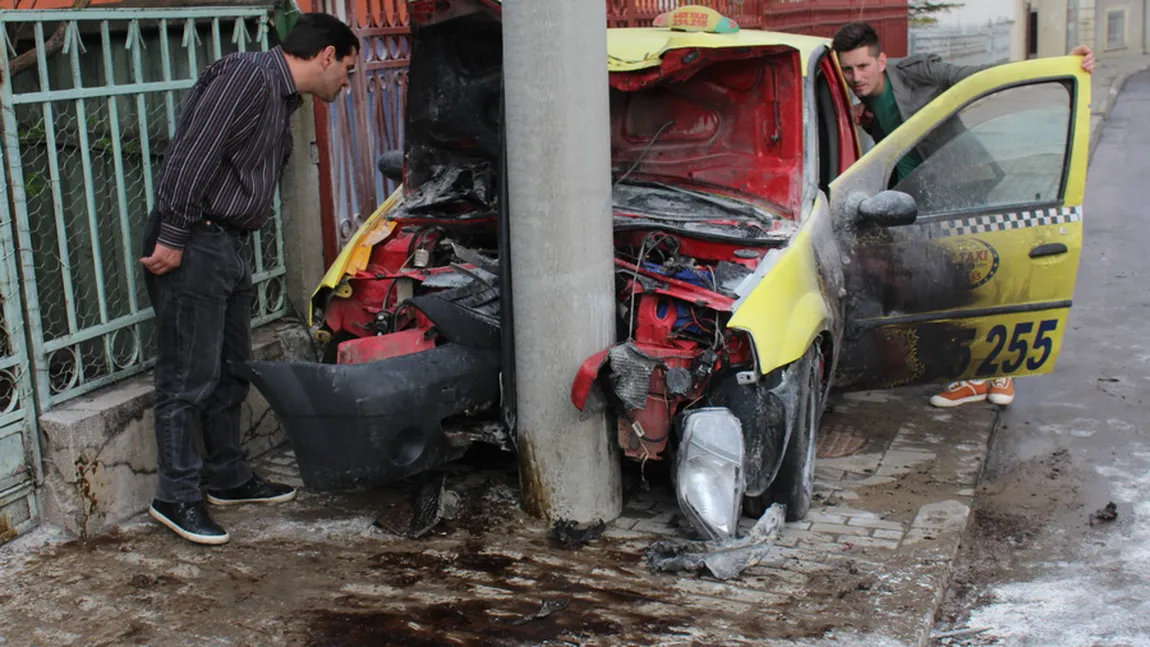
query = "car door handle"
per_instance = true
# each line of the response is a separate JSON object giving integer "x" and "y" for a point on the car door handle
{"x": 1049, "y": 249}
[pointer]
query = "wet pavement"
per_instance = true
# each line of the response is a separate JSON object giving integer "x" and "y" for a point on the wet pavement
{"x": 868, "y": 566}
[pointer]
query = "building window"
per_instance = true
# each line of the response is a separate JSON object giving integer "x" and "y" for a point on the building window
{"x": 1116, "y": 29}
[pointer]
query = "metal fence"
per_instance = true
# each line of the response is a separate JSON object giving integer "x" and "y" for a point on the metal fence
{"x": 975, "y": 45}
{"x": 84, "y": 135}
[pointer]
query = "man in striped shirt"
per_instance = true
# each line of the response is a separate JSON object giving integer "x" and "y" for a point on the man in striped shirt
{"x": 216, "y": 185}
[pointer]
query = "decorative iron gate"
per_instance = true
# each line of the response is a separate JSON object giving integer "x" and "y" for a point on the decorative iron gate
{"x": 84, "y": 135}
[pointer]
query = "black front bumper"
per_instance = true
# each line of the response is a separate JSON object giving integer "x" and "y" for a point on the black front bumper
{"x": 365, "y": 425}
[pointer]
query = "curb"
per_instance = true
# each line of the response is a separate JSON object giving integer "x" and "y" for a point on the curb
{"x": 949, "y": 566}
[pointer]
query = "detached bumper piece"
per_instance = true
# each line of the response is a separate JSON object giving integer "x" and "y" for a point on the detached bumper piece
{"x": 366, "y": 425}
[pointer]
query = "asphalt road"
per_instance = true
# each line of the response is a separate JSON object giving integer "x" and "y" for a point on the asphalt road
{"x": 1038, "y": 569}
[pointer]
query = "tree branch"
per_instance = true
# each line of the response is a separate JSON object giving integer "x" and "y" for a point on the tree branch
{"x": 55, "y": 43}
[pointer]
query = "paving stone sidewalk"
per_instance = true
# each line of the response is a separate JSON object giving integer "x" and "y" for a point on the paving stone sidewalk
{"x": 867, "y": 567}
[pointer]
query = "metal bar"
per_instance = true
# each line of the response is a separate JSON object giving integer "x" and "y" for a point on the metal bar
{"x": 15, "y": 492}
{"x": 257, "y": 235}
{"x": 52, "y": 15}
{"x": 100, "y": 93}
{"x": 57, "y": 198}
{"x": 13, "y": 360}
{"x": 240, "y": 35}
{"x": 24, "y": 243}
{"x": 191, "y": 38}
{"x": 98, "y": 330}
{"x": 166, "y": 62}
{"x": 91, "y": 385}
{"x": 217, "y": 50}
{"x": 11, "y": 423}
{"x": 268, "y": 274}
{"x": 262, "y": 34}
{"x": 118, "y": 164}
{"x": 145, "y": 142}
{"x": 90, "y": 202}
{"x": 10, "y": 283}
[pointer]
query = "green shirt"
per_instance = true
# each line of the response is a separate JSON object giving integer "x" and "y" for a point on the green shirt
{"x": 887, "y": 119}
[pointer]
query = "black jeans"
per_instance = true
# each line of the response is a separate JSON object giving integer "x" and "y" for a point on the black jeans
{"x": 203, "y": 322}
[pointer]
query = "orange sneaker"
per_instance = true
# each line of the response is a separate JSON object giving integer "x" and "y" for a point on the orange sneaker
{"x": 961, "y": 393}
{"x": 1001, "y": 391}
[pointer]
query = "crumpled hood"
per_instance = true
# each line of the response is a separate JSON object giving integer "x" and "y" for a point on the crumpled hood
{"x": 719, "y": 110}
{"x": 453, "y": 118}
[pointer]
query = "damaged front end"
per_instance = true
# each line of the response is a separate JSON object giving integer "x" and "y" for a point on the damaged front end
{"x": 409, "y": 316}
{"x": 706, "y": 193}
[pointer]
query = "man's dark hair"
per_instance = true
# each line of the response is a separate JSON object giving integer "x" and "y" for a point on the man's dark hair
{"x": 315, "y": 31}
{"x": 855, "y": 35}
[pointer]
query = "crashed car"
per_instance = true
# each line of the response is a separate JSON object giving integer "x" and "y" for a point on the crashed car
{"x": 762, "y": 260}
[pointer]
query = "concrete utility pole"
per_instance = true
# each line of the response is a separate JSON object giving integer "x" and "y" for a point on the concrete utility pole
{"x": 559, "y": 181}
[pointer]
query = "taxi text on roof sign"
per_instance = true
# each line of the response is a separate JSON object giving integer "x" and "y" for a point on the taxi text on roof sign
{"x": 696, "y": 18}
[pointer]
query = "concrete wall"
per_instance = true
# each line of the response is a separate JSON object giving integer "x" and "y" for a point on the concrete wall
{"x": 1021, "y": 16}
{"x": 1051, "y": 26}
{"x": 99, "y": 451}
{"x": 303, "y": 231}
{"x": 1056, "y": 35}
{"x": 1133, "y": 36}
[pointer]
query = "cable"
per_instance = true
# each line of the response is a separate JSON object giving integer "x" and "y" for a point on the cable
{"x": 646, "y": 149}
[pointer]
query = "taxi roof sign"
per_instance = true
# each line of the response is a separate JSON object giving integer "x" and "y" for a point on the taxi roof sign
{"x": 696, "y": 18}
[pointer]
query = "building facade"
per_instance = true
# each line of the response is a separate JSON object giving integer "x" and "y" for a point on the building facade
{"x": 1110, "y": 27}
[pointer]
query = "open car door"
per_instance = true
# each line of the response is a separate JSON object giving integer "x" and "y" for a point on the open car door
{"x": 980, "y": 283}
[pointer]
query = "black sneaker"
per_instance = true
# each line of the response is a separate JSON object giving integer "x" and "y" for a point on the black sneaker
{"x": 190, "y": 521}
{"x": 256, "y": 490}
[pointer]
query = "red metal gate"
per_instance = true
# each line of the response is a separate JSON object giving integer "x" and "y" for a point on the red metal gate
{"x": 353, "y": 132}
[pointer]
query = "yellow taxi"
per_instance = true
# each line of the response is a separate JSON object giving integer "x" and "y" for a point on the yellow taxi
{"x": 762, "y": 259}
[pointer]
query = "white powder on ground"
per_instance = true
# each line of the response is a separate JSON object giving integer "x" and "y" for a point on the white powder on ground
{"x": 1102, "y": 599}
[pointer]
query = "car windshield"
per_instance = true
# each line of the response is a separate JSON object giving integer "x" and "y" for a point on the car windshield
{"x": 676, "y": 203}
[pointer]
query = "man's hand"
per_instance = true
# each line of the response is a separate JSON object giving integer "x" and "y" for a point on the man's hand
{"x": 1088, "y": 60}
{"x": 863, "y": 117}
{"x": 164, "y": 259}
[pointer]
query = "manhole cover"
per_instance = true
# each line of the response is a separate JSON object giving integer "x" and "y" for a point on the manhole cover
{"x": 837, "y": 442}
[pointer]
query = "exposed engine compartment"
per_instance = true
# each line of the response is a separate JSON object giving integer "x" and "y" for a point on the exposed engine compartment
{"x": 705, "y": 192}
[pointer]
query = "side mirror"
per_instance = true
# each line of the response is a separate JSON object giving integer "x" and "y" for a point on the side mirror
{"x": 391, "y": 165}
{"x": 888, "y": 209}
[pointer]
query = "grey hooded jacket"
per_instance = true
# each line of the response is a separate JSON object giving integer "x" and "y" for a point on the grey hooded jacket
{"x": 916, "y": 81}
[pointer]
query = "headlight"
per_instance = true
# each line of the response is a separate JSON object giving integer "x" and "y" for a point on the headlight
{"x": 710, "y": 471}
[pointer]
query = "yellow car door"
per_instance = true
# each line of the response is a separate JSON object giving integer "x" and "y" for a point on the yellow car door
{"x": 979, "y": 283}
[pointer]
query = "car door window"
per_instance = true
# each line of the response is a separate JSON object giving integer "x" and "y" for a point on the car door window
{"x": 1005, "y": 149}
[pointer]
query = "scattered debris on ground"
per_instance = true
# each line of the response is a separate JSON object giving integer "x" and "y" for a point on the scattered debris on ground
{"x": 724, "y": 559}
{"x": 572, "y": 535}
{"x": 1109, "y": 513}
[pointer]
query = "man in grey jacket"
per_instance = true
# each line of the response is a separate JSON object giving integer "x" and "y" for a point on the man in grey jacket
{"x": 890, "y": 92}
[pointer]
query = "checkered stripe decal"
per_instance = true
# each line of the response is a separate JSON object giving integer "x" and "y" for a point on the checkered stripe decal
{"x": 1007, "y": 221}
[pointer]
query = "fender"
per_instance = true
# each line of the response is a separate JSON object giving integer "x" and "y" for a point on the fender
{"x": 787, "y": 310}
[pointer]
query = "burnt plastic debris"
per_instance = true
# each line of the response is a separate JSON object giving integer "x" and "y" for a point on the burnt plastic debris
{"x": 427, "y": 505}
{"x": 571, "y": 535}
{"x": 1107, "y": 514}
{"x": 724, "y": 559}
{"x": 545, "y": 609}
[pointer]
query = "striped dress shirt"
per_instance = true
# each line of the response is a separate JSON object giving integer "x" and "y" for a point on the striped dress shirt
{"x": 230, "y": 147}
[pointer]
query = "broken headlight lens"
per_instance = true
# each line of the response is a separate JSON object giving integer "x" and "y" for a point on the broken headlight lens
{"x": 710, "y": 471}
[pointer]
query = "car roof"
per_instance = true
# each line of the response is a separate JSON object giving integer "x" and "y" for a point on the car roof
{"x": 636, "y": 48}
